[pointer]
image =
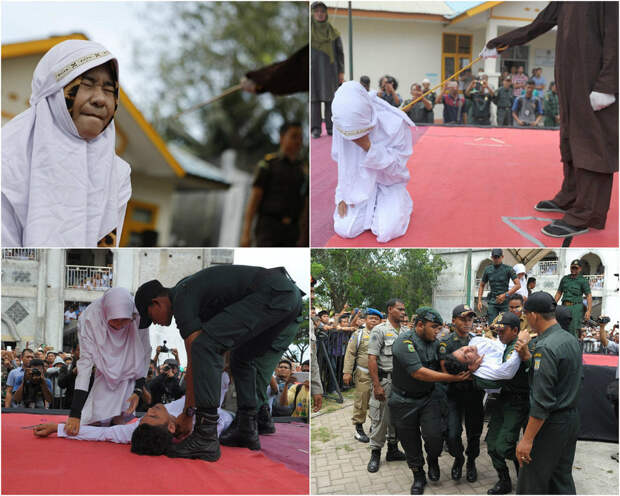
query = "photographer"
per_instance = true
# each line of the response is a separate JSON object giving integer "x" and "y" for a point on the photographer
{"x": 610, "y": 347}
{"x": 481, "y": 95}
{"x": 165, "y": 388}
{"x": 389, "y": 85}
{"x": 16, "y": 376}
{"x": 164, "y": 349}
{"x": 34, "y": 391}
{"x": 53, "y": 373}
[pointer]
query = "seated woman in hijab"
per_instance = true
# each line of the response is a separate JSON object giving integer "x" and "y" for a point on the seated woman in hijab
{"x": 372, "y": 144}
{"x": 111, "y": 341}
{"x": 62, "y": 183}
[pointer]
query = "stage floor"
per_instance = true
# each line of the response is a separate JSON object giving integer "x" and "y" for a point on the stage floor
{"x": 471, "y": 186}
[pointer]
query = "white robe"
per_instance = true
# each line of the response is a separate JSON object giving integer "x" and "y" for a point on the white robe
{"x": 492, "y": 367}
{"x": 373, "y": 184}
{"x": 58, "y": 189}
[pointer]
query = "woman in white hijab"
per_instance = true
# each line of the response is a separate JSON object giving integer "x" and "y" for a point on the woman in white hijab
{"x": 522, "y": 276}
{"x": 111, "y": 341}
{"x": 372, "y": 144}
{"x": 62, "y": 183}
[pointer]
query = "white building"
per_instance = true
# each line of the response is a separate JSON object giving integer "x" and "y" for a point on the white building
{"x": 416, "y": 40}
{"x": 459, "y": 282}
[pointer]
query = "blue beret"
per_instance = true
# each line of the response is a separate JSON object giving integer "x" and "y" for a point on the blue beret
{"x": 373, "y": 311}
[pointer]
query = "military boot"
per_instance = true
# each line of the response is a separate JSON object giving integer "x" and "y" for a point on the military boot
{"x": 419, "y": 481}
{"x": 472, "y": 472}
{"x": 360, "y": 435}
{"x": 503, "y": 485}
{"x": 264, "y": 420}
{"x": 375, "y": 460}
{"x": 393, "y": 454}
{"x": 245, "y": 435}
{"x": 457, "y": 468}
{"x": 202, "y": 442}
{"x": 433, "y": 469}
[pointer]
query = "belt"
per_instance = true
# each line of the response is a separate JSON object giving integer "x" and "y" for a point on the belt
{"x": 407, "y": 394}
{"x": 384, "y": 375}
{"x": 570, "y": 303}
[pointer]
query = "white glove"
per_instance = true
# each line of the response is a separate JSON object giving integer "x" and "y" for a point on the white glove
{"x": 601, "y": 100}
{"x": 488, "y": 53}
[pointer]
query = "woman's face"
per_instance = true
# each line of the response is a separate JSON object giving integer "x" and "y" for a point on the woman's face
{"x": 118, "y": 324}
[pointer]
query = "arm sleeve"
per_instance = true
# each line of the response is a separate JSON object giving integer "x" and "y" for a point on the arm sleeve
{"x": 375, "y": 343}
{"x": 505, "y": 371}
{"x": 607, "y": 81}
{"x": 391, "y": 161}
{"x": 545, "y": 21}
{"x": 339, "y": 53}
{"x": 186, "y": 308}
{"x": 286, "y": 77}
{"x": 261, "y": 179}
{"x": 349, "y": 356}
{"x": 542, "y": 394}
{"x": 405, "y": 353}
{"x": 485, "y": 276}
{"x": 115, "y": 434}
{"x": 586, "y": 287}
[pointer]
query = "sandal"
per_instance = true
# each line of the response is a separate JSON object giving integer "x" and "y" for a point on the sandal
{"x": 548, "y": 206}
{"x": 560, "y": 229}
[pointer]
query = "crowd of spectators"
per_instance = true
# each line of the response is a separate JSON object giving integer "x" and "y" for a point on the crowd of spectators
{"x": 520, "y": 101}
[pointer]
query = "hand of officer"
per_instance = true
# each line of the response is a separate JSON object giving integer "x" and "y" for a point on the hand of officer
{"x": 133, "y": 400}
{"x": 379, "y": 393}
{"x": 479, "y": 305}
{"x": 44, "y": 430}
{"x": 346, "y": 378}
{"x": 500, "y": 298}
{"x": 587, "y": 315}
{"x": 523, "y": 451}
{"x": 72, "y": 427}
{"x": 318, "y": 402}
{"x": 462, "y": 376}
{"x": 183, "y": 425}
{"x": 524, "y": 336}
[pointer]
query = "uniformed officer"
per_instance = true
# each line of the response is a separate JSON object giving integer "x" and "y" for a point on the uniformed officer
{"x": 571, "y": 289}
{"x": 547, "y": 449}
{"x": 511, "y": 407}
{"x": 498, "y": 276}
{"x": 356, "y": 362}
{"x": 464, "y": 401}
{"x": 382, "y": 338}
{"x": 412, "y": 404}
{"x": 279, "y": 195}
{"x": 230, "y": 307}
{"x": 515, "y": 305}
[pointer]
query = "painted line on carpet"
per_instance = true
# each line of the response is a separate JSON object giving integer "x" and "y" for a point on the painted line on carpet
{"x": 536, "y": 241}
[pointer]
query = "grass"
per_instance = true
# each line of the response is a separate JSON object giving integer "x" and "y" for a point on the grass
{"x": 322, "y": 434}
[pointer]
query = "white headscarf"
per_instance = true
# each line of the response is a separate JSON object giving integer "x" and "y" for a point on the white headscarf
{"x": 355, "y": 113}
{"x": 59, "y": 189}
{"x": 520, "y": 269}
{"x": 119, "y": 355}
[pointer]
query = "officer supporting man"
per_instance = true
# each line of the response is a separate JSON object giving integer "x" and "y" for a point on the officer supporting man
{"x": 279, "y": 195}
{"x": 234, "y": 307}
{"x": 547, "y": 449}
{"x": 571, "y": 289}
{"x": 382, "y": 338}
{"x": 464, "y": 402}
{"x": 515, "y": 305}
{"x": 498, "y": 276}
{"x": 412, "y": 404}
{"x": 356, "y": 361}
{"x": 510, "y": 410}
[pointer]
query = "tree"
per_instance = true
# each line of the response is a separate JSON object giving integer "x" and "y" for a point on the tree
{"x": 302, "y": 338}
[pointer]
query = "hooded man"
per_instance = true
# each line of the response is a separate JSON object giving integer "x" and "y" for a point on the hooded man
{"x": 62, "y": 183}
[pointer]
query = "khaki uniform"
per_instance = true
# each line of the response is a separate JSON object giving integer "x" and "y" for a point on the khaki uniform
{"x": 523, "y": 325}
{"x": 357, "y": 356}
{"x": 382, "y": 338}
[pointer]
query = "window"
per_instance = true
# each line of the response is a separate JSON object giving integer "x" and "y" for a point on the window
{"x": 455, "y": 53}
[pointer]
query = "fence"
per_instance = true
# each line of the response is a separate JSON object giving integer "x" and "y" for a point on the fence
{"x": 20, "y": 254}
{"x": 88, "y": 277}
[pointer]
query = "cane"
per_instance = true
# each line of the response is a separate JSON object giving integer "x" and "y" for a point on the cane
{"x": 224, "y": 93}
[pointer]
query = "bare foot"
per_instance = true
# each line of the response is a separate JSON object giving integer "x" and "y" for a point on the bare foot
{"x": 342, "y": 209}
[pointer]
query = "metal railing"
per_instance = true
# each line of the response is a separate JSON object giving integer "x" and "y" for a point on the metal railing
{"x": 88, "y": 277}
{"x": 20, "y": 254}
{"x": 547, "y": 268}
{"x": 597, "y": 281}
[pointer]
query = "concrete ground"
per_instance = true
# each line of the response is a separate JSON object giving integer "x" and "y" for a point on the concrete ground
{"x": 338, "y": 463}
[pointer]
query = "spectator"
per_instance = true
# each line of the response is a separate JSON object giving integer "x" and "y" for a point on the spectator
{"x": 50, "y": 358}
{"x": 609, "y": 346}
{"x": 522, "y": 276}
{"x": 15, "y": 377}
{"x": 551, "y": 107}
{"x": 389, "y": 85}
{"x": 504, "y": 99}
{"x": 283, "y": 376}
{"x": 305, "y": 366}
{"x": 365, "y": 82}
{"x": 418, "y": 112}
{"x": 527, "y": 110}
{"x": 343, "y": 324}
{"x": 39, "y": 354}
{"x": 324, "y": 324}
{"x": 452, "y": 103}
{"x": 53, "y": 374}
{"x": 296, "y": 398}
{"x": 7, "y": 366}
{"x": 481, "y": 94}
{"x": 165, "y": 388}
{"x": 70, "y": 315}
{"x": 431, "y": 97}
{"x": 519, "y": 81}
{"x": 539, "y": 81}
{"x": 33, "y": 389}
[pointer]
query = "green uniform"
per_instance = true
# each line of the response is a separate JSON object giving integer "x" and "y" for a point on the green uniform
{"x": 551, "y": 108}
{"x": 498, "y": 278}
{"x": 413, "y": 406}
{"x": 382, "y": 339}
{"x": 555, "y": 378}
{"x": 509, "y": 414}
{"x": 573, "y": 289}
{"x": 356, "y": 361}
{"x": 504, "y": 99}
{"x": 464, "y": 404}
{"x": 285, "y": 188}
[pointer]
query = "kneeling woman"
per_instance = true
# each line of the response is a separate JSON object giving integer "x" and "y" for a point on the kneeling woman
{"x": 120, "y": 352}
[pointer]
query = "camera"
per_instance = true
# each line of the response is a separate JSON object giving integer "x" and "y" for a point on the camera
{"x": 166, "y": 368}
{"x": 603, "y": 320}
{"x": 35, "y": 373}
{"x": 164, "y": 348}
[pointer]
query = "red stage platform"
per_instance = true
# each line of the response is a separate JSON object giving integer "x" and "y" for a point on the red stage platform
{"x": 471, "y": 186}
{"x": 600, "y": 360}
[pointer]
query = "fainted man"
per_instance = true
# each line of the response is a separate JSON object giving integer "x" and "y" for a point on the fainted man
{"x": 498, "y": 275}
{"x": 414, "y": 407}
{"x": 235, "y": 307}
{"x": 572, "y": 289}
{"x": 380, "y": 346}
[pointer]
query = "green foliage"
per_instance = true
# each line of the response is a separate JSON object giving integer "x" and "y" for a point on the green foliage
{"x": 301, "y": 343}
{"x": 369, "y": 278}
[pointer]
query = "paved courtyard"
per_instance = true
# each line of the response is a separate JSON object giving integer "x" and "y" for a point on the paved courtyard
{"x": 338, "y": 463}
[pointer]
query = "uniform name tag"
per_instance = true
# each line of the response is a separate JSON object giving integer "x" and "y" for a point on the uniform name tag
{"x": 536, "y": 363}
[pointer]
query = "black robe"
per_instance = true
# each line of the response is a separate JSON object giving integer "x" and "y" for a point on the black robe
{"x": 286, "y": 77}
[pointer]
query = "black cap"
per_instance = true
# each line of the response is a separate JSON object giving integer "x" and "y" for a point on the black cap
{"x": 143, "y": 298}
{"x": 317, "y": 4}
{"x": 540, "y": 302}
{"x": 576, "y": 262}
{"x": 509, "y": 319}
{"x": 172, "y": 362}
{"x": 428, "y": 314}
{"x": 564, "y": 316}
{"x": 462, "y": 311}
{"x": 497, "y": 252}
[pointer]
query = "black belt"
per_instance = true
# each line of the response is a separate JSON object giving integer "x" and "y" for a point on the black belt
{"x": 267, "y": 274}
{"x": 570, "y": 303}
{"x": 384, "y": 375}
{"x": 407, "y": 394}
{"x": 514, "y": 395}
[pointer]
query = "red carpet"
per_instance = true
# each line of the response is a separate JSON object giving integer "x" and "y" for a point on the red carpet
{"x": 601, "y": 360}
{"x": 51, "y": 465}
{"x": 470, "y": 187}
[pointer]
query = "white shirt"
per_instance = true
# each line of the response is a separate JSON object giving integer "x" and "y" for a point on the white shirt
{"x": 492, "y": 366}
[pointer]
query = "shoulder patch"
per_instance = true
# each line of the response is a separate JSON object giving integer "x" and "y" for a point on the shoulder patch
{"x": 410, "y": 348}
{"x": 536, "y": 363}
{"x": 407, "y": 341}
{"x": 390, "y": 334}
{"x": 509, "y": 355}
{"x": 537, "y": 355}
{"x": 442, "y": 348}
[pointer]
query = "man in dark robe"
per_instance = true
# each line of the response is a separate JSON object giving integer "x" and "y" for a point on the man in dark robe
{"x": 281, "y": 78}
{"x": 586, "y": 74}
{"x": 327, "y": 59}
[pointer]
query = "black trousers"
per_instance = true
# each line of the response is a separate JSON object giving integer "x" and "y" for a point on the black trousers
{"x": 248, "y": 327}
{"x": 467, "y": 406}
{"x": 315, "y": 116}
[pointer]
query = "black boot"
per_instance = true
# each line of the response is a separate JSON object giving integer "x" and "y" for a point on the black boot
{"x": 472, "y": 473}
{"x": 433, "y": 469}
{"x": 245, "y": 435}
{"x": 375, "y": 459}
{"x": 393, "y": 455}
{"x": 457, "y": 468}
{"x": 264, "y": 420}
{"x": 419, "y": 481}
{"x": 503, "y": 485}
{"x": 360, "y": 435}
{"x": 202, "y": 442}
